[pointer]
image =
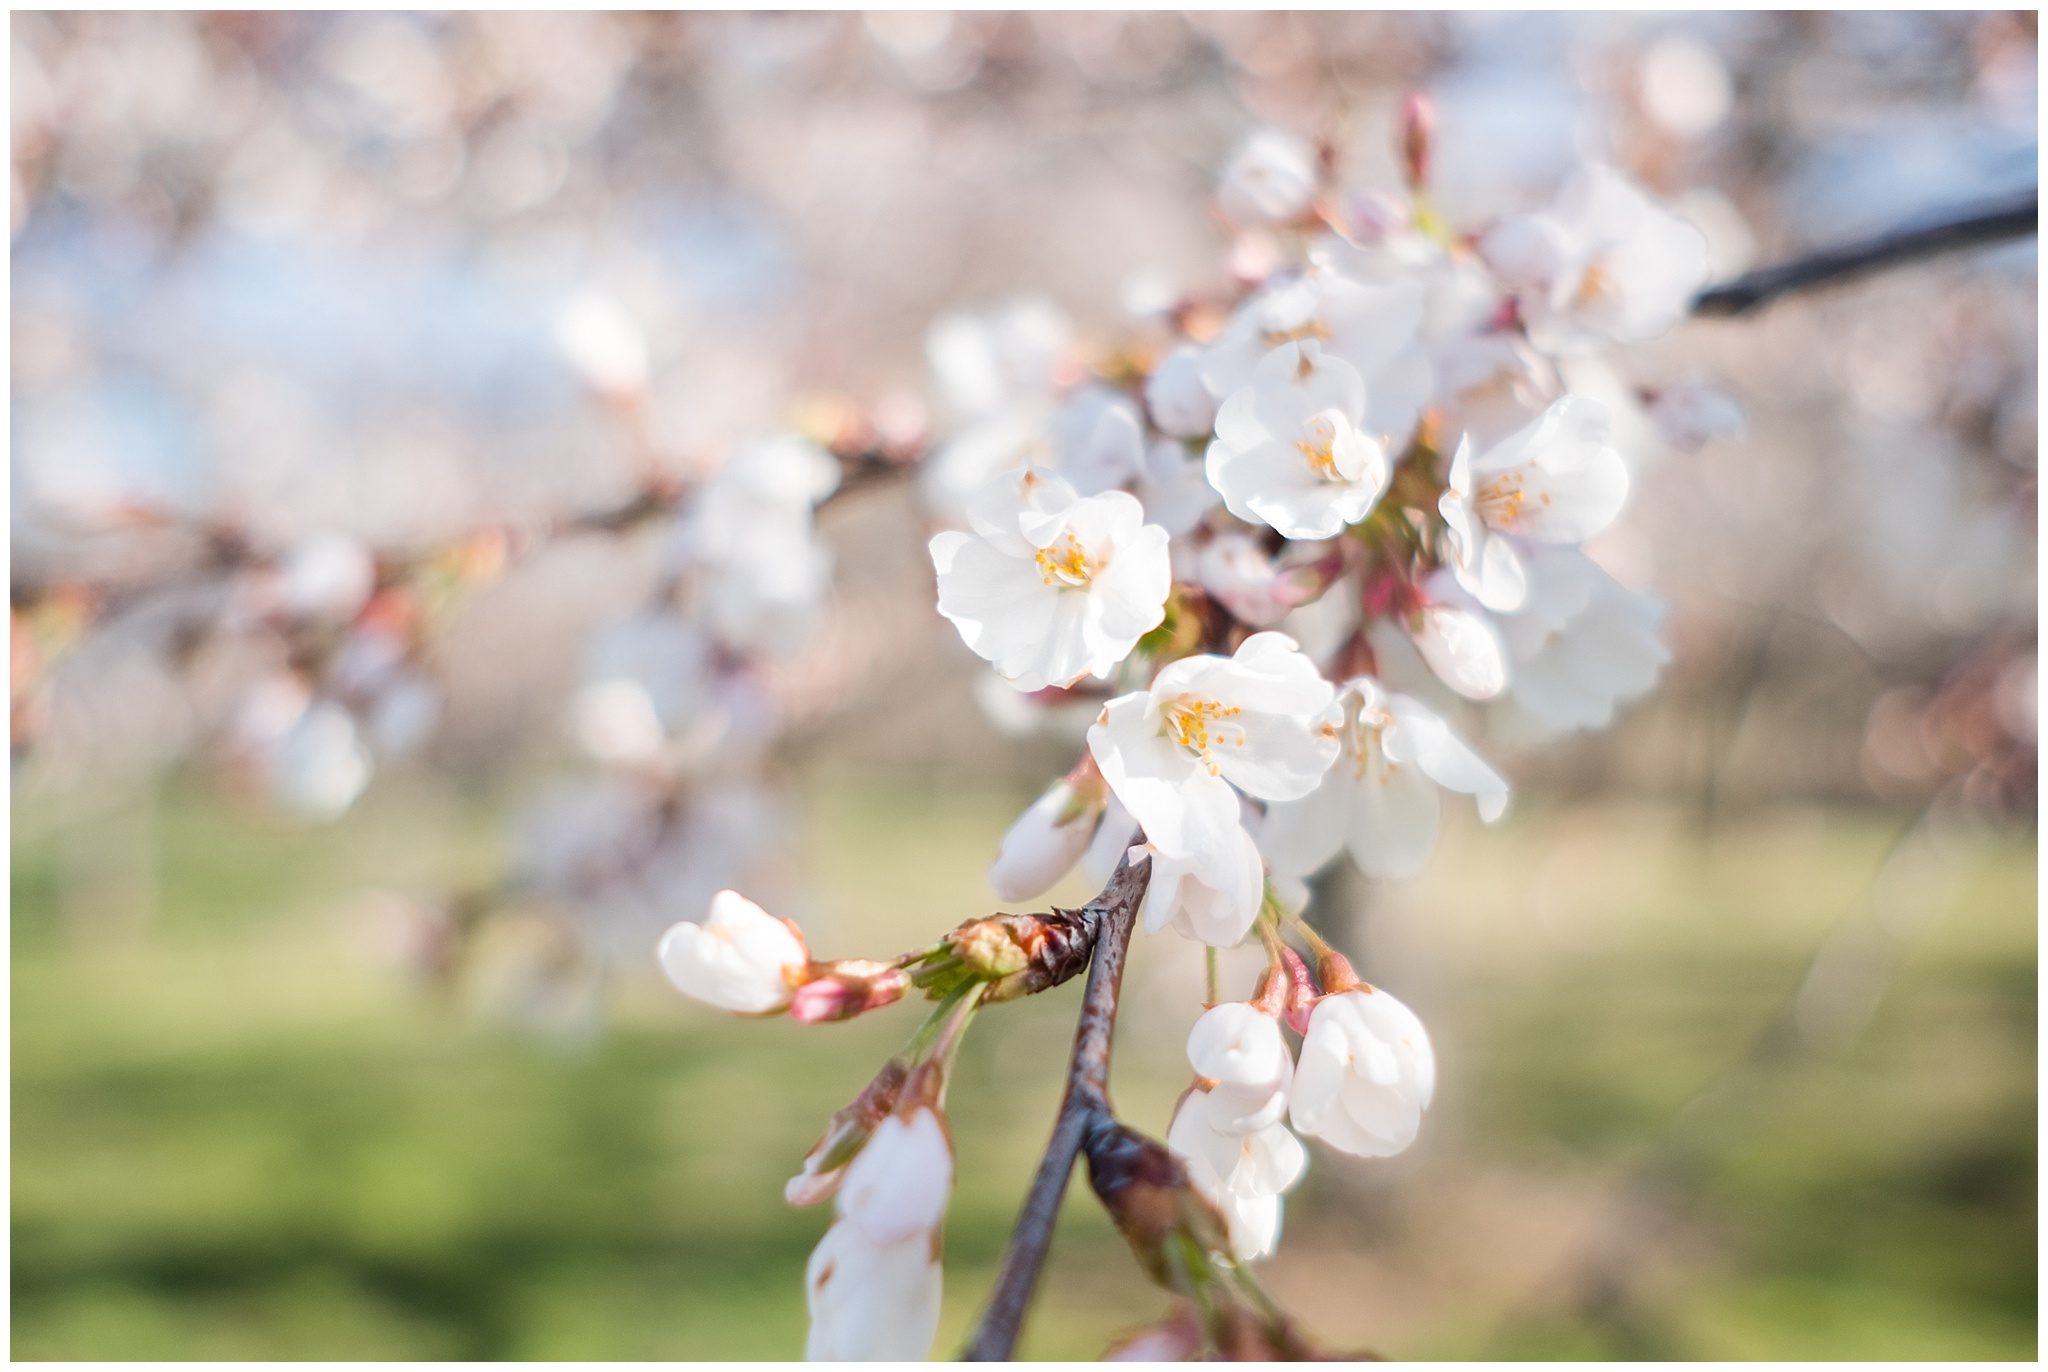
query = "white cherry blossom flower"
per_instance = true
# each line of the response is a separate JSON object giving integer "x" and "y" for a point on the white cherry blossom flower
{"x": 1241, "y": 1049}
{"x": 1289, "y": 448}
{"x": 1458, "y": 639}
{"x": 1557, "y": 480}
{"x": 1243, "y": 1174}
{"x": 1098, "y": 440}
{"x": 1051, "y": 587}
{"x": 1365, "y": 1075}
{"x": 1582, "y": 644}
{"x": 1373, "y": 328}
{"x": 1604, "y": 264}
{"x": 1174, "y": 488}
{"x": 319, "y": 765}
{"x": 1270, "y": 179}
{"x": 648, "y": 692}
{"x": 1180, "y": 404}
{"x": 1209, "y": 894}
{"x": 1263, "y": 720}
{"x": 1252, "y": 585}
{"x": 749, "y": 535}
{"x": 596, "y": 336}
{"x": 1381, "y": 798}
{"x": 326, "y": 576}
{"x": 993, "y": 359}
{"x": 741, "y": 958}
{"x": 872, "y": 1302}
{"x": 1047, "y": 840}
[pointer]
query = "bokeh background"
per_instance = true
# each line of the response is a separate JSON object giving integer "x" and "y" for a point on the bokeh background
{"x": 1736, "y": 1012}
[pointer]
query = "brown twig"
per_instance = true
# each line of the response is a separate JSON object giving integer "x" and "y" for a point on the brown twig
{"x": 1086, "y": 1101}
{"x": 1759, "y": 288}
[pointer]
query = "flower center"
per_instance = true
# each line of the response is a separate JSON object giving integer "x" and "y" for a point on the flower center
{"x": 1362, "y": 741}
{"x": 1596, "y": 284}
{"x": 1324, "y": 431}
{"x": 1499, "y": 500}
{"x": 1066, "y": 563}
{"x": 1313, "y": 328}
{"x": 1197, "y": 725}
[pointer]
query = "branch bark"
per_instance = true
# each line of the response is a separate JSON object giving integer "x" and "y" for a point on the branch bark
{"x": 1086, "y": 1101}
{"x": 1759, "y": 288}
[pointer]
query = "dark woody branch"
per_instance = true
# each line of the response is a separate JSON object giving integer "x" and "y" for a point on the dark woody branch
{"x": 1112, "y": 914}
{"x": 1759, "y": 288}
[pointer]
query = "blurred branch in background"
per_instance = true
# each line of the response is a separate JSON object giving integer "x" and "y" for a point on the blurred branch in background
{"x": 1902, "y": 246}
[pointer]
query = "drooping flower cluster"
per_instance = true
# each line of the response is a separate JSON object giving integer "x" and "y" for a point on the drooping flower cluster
{"x": 1286, "y": 557}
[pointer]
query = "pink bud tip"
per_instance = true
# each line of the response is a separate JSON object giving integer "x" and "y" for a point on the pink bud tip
{"x": 1301, "y": 991}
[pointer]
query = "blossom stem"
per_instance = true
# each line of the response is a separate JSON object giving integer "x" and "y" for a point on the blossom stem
{"x": 1215, "y": 980}
{"x": 1316, "y": 942}
{"x": 1114, "y": 913}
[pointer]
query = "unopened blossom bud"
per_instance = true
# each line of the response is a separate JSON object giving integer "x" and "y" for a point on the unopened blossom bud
{"x": 845, "y": 1136}
{"x": 1418, "y": 127}
{"x": 741, "y": 958}
{"x": 874, "y": 1281}
{"x": 1244, "y": 1175}
{"x": 1366, "y": 1074}
{"x": 1270, "y": 180}
{"x": 1180, "y": 404}
{"x": 1017, "y": 955}
{"x": 846, "y": 988}
{"x": 1049, "y": 838}
{"x": 1238, "y": 1048}
{"x": 1146, "y": 1190}
{"x": 872, "y": 1302}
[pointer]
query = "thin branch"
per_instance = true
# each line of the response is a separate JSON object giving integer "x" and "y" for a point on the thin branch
{"x": 1086, "y": 1100}
{"x": 1759, "y": 288}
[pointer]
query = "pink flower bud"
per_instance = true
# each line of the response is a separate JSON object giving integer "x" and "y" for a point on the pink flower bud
{"x": 846, "y": 988}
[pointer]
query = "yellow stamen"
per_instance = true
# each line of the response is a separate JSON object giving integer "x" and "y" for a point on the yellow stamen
{"x": 1194, "y": 724}
{"x": 1066, "y": 563}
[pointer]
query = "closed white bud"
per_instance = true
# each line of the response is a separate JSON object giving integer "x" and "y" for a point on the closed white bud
{"x": 1046, "y": 841}
{"x": 741, "y": 958}
{"x": 898, "y": 1184}
{"x": 872, "y": 1302}
{"x": 1241, "y": 1049}
{"x": 874, "y": 1281}
{"x": 1366, "y": 1074}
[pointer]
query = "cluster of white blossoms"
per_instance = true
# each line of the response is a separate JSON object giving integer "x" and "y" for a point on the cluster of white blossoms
{"x": 1288, "y": 553}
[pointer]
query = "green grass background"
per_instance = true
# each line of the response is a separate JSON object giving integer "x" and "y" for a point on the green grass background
{"x": 236, "y": 1135}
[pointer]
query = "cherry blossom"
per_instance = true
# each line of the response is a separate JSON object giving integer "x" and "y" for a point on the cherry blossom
{"x": 1555, "y": 481}
{"x": 1263, "y": 719}
{"x": 1604, "y": 264}
{"x": 1239, "y": 572}
{"x": 1458, "y": 639}
{"x": 1380, "y": 799}
{"x": 1050, "y": 586}
{"x": 1371, "y": 327}
{"x": 1271, "y": 179}
{"x": 1210, "y": 894}
{"x": 1240, "y": 1048}
{"x": 1365, "y": 1075}
{"x": 1243, "y": 1174}
{"x": 1179, "y": 403}
{"x": 1289, "y": 450}
{"x": 1048, "y": 839}
{"x": 874, "y": 1280}
{"x": 741, "y": 958}
{"x": 1582, "y": 644}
